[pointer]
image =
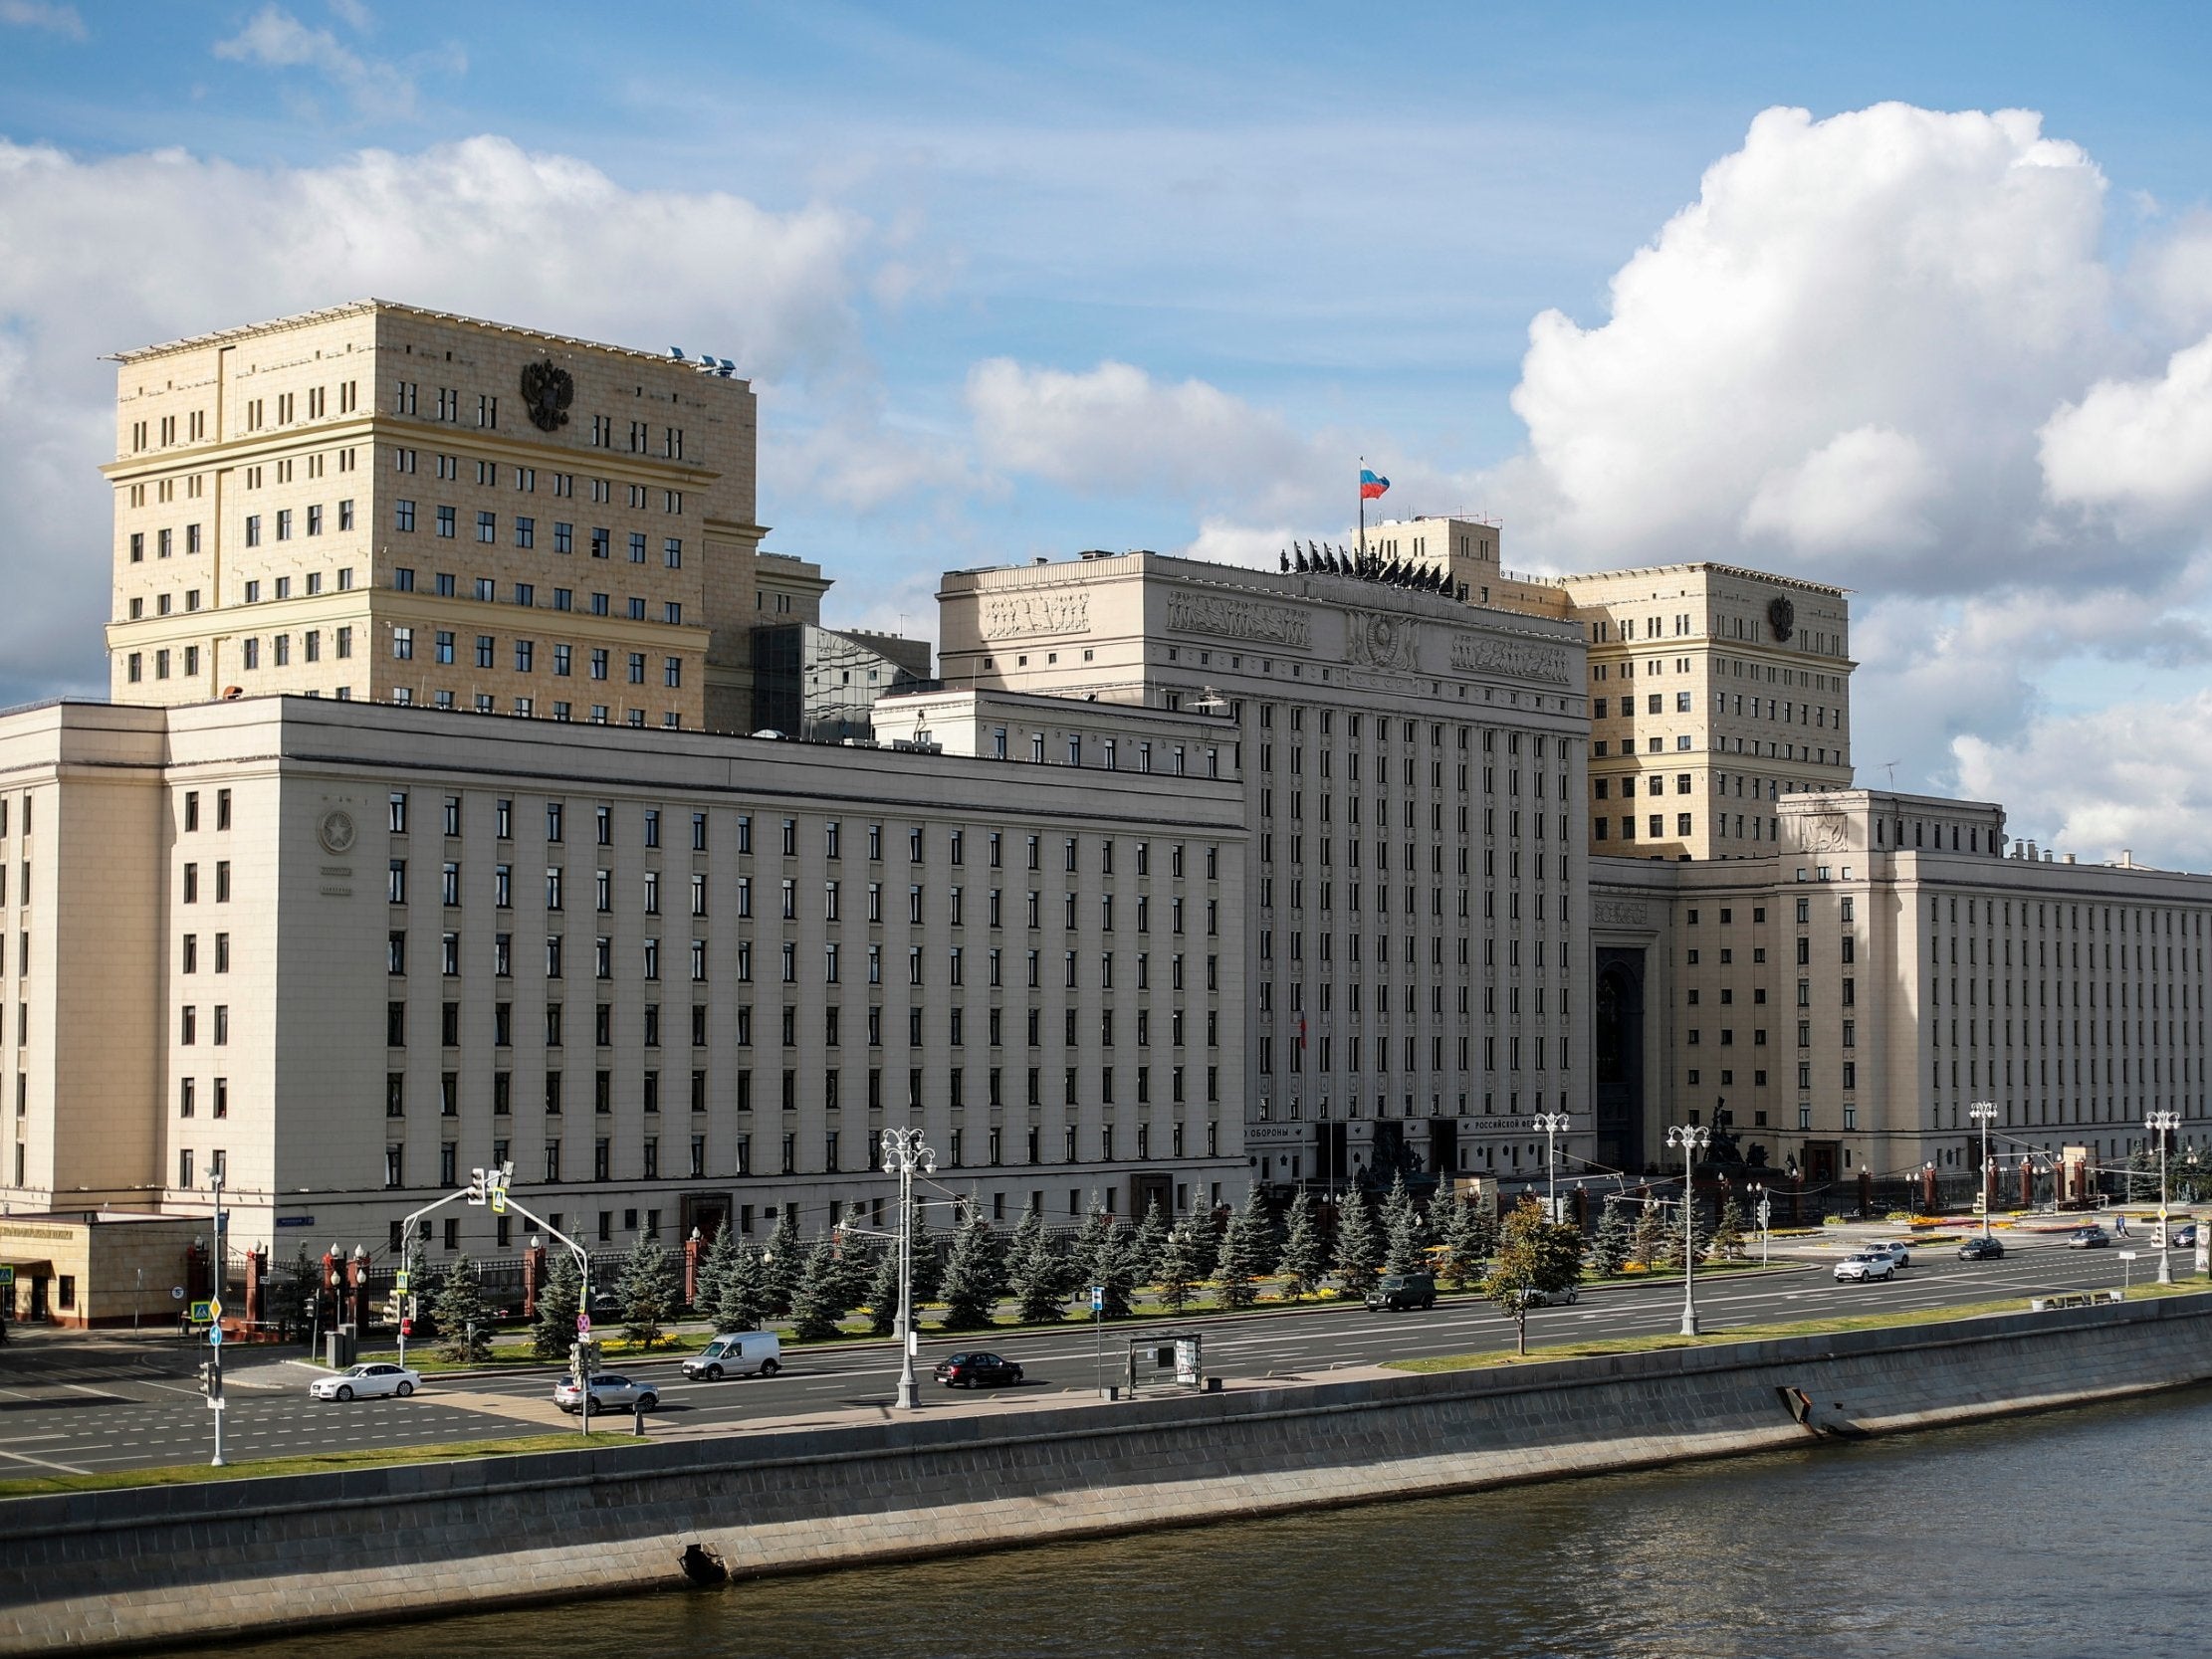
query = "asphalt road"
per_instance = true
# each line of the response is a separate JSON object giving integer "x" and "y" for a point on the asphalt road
{"x": 76, "y": 1404}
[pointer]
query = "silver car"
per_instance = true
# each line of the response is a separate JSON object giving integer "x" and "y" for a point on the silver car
{"x": 609, "y": 1392}
{"x": 1897, "y": 1249}
{"x": 1863, "y": 1265}
{"x": 365, "y": 1381}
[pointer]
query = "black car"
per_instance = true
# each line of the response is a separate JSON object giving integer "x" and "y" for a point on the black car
{"x": 1395, "y": 1291}
{"x": 976, "y": 1370}
{"x": 1981, "y": 1250}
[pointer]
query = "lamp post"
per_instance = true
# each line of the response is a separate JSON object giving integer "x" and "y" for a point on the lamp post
{"x": 1693, "y": 1138}
{"x": 1982, "y": 1112}
{"x": 215, "y": 1325}
{"x": 1763, "y": 1209}
{"x": 2162, "y": 1124}
{"x": 1553, "y": 1123}
{"x": 904, "y": 1152}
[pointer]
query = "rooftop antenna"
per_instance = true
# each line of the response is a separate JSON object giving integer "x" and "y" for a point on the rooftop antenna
{"x": 1893, "y": 766}
{"x": 1209, "y": 702}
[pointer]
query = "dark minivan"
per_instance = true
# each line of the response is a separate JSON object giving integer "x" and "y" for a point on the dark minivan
{"x": 1395, "y": 1291}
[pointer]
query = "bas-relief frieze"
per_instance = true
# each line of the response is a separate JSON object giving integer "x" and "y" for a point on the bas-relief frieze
{"x": 1239, "y": 619}
{"x": 1619, "y": 912}
{"x": 1824, "y": 832}
{"x": 1519, "y": 658}
{"x": 1008, "y": 615}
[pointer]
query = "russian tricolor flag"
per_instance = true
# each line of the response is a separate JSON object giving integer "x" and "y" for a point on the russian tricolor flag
{"x": 1372, "y": 485}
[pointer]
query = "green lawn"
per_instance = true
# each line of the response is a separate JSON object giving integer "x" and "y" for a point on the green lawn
{"x": 184, "y": 1474}
{"x": 1603, "y": 1346}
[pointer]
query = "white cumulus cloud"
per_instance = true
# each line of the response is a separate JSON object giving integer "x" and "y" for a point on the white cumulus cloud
{"x": 2140, "y": 447}
{"x": 39, "y": 14}
{"x": 135, "y": 249}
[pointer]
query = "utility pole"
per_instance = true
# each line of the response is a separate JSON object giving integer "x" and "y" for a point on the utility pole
{"x": 1693, "y": 1138}
{"x": 2162, "y": 1124}
{"x": 904, "y": 1152}
{"x": 215, "y": 1320}
{"x": 1552, "y": 1123}
{"x": 1982, "y": 1112}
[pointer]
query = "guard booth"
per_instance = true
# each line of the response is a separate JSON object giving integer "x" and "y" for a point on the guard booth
{"x": 1167, "y": 1364}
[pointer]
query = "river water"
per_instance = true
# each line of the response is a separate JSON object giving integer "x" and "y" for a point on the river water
{"x": 2038, "y": 1538}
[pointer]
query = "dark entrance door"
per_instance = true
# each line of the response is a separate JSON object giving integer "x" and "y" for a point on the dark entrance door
{"x": 1820, "y": 1158}
{"x": 1332, "y": 1167}
{"x": 1147, "y": 1191}
{"x": 706, "y": 1212}
{"x": 1443, "y": 1149}
{"x": 38, "y": 1300}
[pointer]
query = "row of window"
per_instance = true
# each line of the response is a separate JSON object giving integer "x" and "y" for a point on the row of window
{"x": 406, "y": 400}
{"x": 445, "y": 524}
{"x": 485, "y": 590}
{"x": 561, "y": 658}
{"x": 401, "y": 816}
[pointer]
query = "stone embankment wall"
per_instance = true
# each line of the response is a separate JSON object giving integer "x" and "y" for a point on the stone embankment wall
{"x": 169, "y": 1564}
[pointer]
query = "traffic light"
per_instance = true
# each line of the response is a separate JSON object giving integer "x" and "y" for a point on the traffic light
{"x": 211, "y": 1378}
{"x": 478, "y": 1187}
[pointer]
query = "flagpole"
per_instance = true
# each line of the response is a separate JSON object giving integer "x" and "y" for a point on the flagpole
{"x": 1363, "y": 514}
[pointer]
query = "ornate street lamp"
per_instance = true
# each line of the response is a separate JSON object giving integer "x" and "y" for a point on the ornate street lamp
{"x": 1693, "y": 1138}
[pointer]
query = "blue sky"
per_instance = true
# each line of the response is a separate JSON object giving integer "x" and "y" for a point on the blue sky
{"x": 1016, "y": 283}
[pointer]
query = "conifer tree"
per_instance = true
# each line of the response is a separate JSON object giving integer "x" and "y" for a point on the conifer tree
{"x": 554, "y": 1331}
{"x": 781, "y": 1263}
{"x": 1176, "y": 1271}
{"x": 1405, "y": 1234}
{"x": 1147, "y": 1243}
{"x": 929, "y": 1270}
{"x": 1359, "y": 1250}
{"x": 649, "y": 1290}
{"x": 1110, "y": 1266}
{"x": 463, "y": 1325}
{"x": 1609, "y": 1247}
{"x": 1261, "y": 1232}
{"x": 818, "y": 1300}
{"x": 713, "y": 1268}
{"x": 883, "y": 1294}
{"x": 1727, "y": 1240}
{"x": 1305, "y": 1258}
{"x": 1647, "y": 1240}
{"x": 975, "y": 1275}
{"x": 1037, "y": 1272}
{"x": 1237, "y": 1267}
{"x": 1463, "y": 1242}
{"x": 744, "y": 1301}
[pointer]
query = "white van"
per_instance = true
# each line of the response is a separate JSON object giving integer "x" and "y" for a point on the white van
{"x": 757, "y": 1351}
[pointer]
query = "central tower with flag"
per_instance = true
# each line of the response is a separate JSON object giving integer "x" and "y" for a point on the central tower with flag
{"x": 1372, "y": 486}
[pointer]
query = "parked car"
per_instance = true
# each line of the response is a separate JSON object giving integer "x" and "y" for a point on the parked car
{"x": 1395, "y": 1291}
{"x": 1551, "y": 1299}
{"x": 976, "y": 1370}
{"x": 608, "y": 1394}
{"x": 1897, "y": 1249}
{"x": 1981, "y": 1250}
{"x": 2184, "y": 1237}
{"x": 2088, "y": 1238}
{"x": 1863, "y": 1265}
{"x": 759, "y": 1353}
{"x": 367, "y": 1381}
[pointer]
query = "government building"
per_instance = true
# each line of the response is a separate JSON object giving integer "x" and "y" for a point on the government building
{"x": 477, "y": 788}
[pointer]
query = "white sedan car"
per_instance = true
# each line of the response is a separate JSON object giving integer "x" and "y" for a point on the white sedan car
{"x": 365, "y": 1383}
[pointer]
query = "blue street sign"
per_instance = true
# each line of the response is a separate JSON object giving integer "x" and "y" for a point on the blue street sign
{"x": 294, "y": 1220}
{"x": 1098, "y": 1299}
{"x": 214, "y": 1335}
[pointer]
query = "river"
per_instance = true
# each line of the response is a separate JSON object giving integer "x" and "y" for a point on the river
{"x": 2038, "y": 1538}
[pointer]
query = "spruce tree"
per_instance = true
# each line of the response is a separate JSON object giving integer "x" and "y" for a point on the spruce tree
{"x": 1463, "y": 1243}
{"x": 1176, "y": 1271}
{"x": 1205, "y": 1241}
{"x": 1648, "y": 1239}
{"x": 1237, "y": 1267}
{"x": 1405, "y": 1234}
{"x": 782, "y": 1262}
{"x": 1609, "y": 1247}
{"x": 883, "y": 1294}
{"x": 1359, "y": 1249}
{"x": 1036, "y": 1273}
{"x": 1110, "y": 1266}
{"x": 744, "y": 1304}
{"x": 649, "y": 1290}
{"x": 929, "y": 1270}
{"x": 554, "y": 1331}
{"x": 1147, "y": 1244}
{"x": 464, "y": 1327}
{"x": 1261, "y": 1240}
{"x": 1305, "y": 1258}
{"x": 975, "y": 1275}
{"x": 713, "y": 1268}
{"x": 1727, "y": 1240}
{"x": 818, "y": 1300}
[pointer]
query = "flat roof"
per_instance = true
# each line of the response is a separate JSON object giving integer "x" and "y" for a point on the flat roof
{"x": 353, "y": 307}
